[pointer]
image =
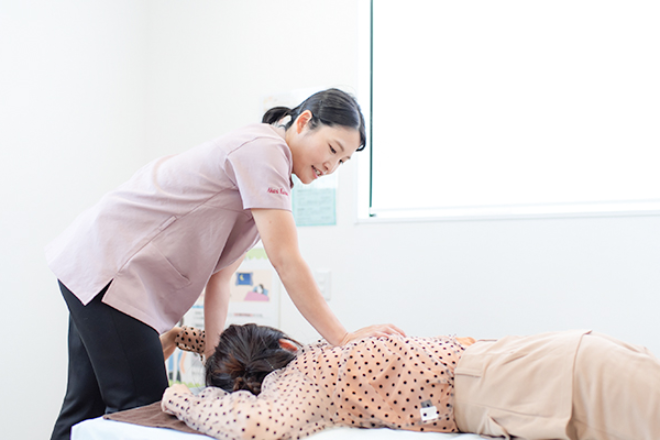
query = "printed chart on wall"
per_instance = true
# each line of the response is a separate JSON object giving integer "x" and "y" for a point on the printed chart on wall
{"x": 255, "y": 291}
{"x": 314, "y": 204}
{"x": 255, "y": 294}
{"x": 183, "y": 366}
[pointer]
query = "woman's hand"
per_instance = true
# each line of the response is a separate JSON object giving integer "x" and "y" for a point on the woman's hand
{"x": 168, "y": 341}
{"x": 378, "y": 330}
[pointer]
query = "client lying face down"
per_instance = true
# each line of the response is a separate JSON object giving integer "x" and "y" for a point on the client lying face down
{"x": 246, "y": 355}
{"x": 536, "y": 387}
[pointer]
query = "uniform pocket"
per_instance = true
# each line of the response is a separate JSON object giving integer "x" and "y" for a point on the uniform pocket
{"x": 162, "y": 268}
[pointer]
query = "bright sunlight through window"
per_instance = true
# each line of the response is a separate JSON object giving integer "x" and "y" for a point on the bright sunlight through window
{"x": 512, "y": 108}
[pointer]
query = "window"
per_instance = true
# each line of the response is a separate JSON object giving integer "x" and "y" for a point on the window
{"x": 513, "y": 108}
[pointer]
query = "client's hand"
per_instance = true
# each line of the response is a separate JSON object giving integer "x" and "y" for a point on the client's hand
{"x": 180, "y": 388}
{"x": 168, "y": 341}
{"x": 379, "y": 330}
{"x": 177, "y": 388}
{"x": 466, "y": 342}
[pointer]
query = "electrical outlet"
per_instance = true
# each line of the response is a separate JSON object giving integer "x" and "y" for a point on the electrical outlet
{"x": 322, "y": 278}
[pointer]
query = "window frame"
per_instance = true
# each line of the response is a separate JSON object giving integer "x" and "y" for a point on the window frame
{"x": 365, "y": 212}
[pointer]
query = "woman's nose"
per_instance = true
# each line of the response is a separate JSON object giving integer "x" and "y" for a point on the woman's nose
{"x": 331, "y": 165}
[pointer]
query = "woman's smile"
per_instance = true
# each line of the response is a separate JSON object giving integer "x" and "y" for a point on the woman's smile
{"x": 318, "y": 152}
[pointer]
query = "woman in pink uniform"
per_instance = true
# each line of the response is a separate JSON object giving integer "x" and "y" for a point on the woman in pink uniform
{"x": 133, "y": 264}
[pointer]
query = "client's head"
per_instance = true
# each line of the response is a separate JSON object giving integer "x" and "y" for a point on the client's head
{"x": 246, "y": 354}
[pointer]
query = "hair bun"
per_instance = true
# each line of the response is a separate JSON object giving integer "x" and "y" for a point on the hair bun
{"x": 253, "y": 386}
{"x": 245, "y": 355}
{"x": 239, "y": 383}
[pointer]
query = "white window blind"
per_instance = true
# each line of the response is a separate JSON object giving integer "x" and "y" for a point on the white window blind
{"x": 505, "y": 108}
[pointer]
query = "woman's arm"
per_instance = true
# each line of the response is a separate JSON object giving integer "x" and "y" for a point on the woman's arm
{"x": 216, "y": 304}
{"x": 278, "y": 233}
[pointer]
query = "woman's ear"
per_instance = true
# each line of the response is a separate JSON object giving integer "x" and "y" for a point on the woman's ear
{"x": 288, "y": 345}
{"x": 302, "y": 120}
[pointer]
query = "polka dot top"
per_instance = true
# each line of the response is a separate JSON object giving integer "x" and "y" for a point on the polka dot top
{"x": 191, "y": 339}
{"x": 399, "y": 383}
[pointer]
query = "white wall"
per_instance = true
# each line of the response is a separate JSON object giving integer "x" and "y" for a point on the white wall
{"x": 72, "y": 126}
{"x": 491, "y": 278}
{"x": 212, "y": 62}
{"x": 90, "y": 91}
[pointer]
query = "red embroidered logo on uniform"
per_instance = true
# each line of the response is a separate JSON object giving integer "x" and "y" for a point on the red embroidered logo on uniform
{"x": 278, "y": 191}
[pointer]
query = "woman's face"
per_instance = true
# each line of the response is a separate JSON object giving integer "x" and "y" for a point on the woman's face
{"x": 320, "y": 151}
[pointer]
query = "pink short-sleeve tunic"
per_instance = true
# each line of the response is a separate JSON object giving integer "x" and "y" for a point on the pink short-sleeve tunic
{"x": 161, "y": 235}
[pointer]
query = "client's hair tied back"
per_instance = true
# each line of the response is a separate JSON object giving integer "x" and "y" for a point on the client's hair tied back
{"x": 245, "y": 355}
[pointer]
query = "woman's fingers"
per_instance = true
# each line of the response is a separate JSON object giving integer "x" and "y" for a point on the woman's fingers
{"x": 392, "y": 329}
{"x": 377, "y": 331}
{"x": 388, "y": 329}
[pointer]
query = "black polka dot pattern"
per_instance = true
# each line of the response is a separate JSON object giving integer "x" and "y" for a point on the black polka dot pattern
{"x": 371, "y": 383}
{"x": 191, "y": 339}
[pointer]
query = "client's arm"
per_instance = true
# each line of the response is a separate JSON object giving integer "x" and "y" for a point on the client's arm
{"x": 290, "y": 406}
{"x": 185, "y": 338}
{"x": 167, "y": 340}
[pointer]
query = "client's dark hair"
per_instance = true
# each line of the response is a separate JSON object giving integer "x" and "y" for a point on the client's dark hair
{"x": 244, "y": 357}
{"x": 329, "y": 107}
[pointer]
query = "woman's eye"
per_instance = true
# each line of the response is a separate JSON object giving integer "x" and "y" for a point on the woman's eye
{"x": 333, "y": 150}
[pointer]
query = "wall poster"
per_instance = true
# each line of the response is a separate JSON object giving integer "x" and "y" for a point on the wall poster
{"x": 255, "y": 294}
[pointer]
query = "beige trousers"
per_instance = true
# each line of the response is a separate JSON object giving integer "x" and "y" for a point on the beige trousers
{"x": 616, "y": 391}
{"x": 567, "y": 385}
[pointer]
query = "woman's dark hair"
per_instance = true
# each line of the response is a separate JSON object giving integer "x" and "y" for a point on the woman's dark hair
{"x": 329, "y": 107}
{"x": 245, "y": 355}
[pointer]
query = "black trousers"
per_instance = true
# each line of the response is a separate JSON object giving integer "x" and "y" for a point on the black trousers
{"x": 115, "y": 363}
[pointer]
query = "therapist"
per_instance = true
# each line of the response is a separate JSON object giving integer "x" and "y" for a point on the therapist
{"x": 132, "y": 265}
